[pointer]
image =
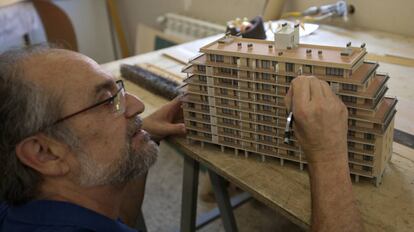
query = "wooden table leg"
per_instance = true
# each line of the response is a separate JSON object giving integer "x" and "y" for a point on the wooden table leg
{"x": 223, "y": 202}
{"x": 189, "y": 195}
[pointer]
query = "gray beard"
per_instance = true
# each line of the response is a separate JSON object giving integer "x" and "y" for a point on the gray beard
{"x": 131, "y": 164}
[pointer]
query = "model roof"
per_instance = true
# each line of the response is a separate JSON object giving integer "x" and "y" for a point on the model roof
{"x": 330, "y": 57}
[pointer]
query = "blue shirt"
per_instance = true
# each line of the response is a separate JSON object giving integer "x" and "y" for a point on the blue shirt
{"x": 52, "y": 216}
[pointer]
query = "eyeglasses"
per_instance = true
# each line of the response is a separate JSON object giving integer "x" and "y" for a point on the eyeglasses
{"x": 117, "y": 101}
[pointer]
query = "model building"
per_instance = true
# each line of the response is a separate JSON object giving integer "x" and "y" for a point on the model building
{"x": 236, "y": 89}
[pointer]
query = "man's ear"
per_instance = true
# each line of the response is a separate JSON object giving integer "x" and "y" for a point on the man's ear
{"x": 43, "y": 155}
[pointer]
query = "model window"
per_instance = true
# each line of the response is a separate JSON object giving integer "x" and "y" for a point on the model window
{"x": 228, "y": 121}
{"x": 265, "y": 64}
{"x": 228, "y": 130}
{"x": 267, "y": 108}
{"x": 368, "y": 158}
{"x": 266, "y": 76}
{"x": 235, "y": 59}
{"x": 225, "y": 70}
{"x": 369, "y": 136}
{"x": 349, "y": 99}
{"x": 205, "y": 107}
{"x": 230, "y": 140}
{"x": 267, "y": 138}
{"x": 350, "y": 87}
{"x": 368, "y": 169}
{"x": 202, "y": 78}
{"x": 289, "y": 67}
{"x": 223, "y": 91}
{"x": 334, "y": 71}
{"x": 266, "y": 87}
{"x": 192, "y": 114}
{"x": 226, "y": 81}
{"x": 265, "y": 147}
{"x": 267, "y": 128}
{"x": 206, "y": 117}
{"x": 193, "y": 123}
{"x": 307, "y": 68}
{"x": 368, "y": 147}
{"x": 351, "y": 133}
{"x": 267, "y": 118}
{"x": 224, "y": 101}
{"x": 212, "y": 58}
{"x": 266, "y": 98}
{"x": 202, "y": 68}
{"x": 351, "y": 122}
{"x": 227, "y": 111}
{"x": 219, "y": 58}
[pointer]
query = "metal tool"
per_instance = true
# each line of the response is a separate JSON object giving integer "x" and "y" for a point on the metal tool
{"x": 288, "y": 128}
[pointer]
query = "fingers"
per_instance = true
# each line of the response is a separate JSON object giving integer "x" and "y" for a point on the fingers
{"x": 300, "y": 92}
{"x": 288, "y": 100}
{"x": 316, "y": 93}
{"x": 326, "y": 89}
{"x": 172, "y": 129}
{"x": 173, "y": 107}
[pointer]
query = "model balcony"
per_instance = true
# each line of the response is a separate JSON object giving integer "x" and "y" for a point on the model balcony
{"x": 360, "y": 170}
{"x": 361, "y": 160}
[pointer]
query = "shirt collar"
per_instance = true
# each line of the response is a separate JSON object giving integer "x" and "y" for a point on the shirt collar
{"x": 58, "y": 213}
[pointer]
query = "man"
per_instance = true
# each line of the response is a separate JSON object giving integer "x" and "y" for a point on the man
{"x": 72, "y": 140}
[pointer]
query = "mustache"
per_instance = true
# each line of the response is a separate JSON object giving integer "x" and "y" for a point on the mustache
{"x": 133, "y": 126}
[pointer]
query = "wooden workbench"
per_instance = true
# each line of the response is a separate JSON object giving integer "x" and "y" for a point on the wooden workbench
{"x": 390, "y": 207}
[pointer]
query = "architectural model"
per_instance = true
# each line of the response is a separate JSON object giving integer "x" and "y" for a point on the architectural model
{"x": 236, "y": 89}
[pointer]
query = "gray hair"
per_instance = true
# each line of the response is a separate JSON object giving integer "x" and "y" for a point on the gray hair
{"x": 25, "y": 109}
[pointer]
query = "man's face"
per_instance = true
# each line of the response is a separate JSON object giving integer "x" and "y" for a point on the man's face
{"x": 111, "y": 148}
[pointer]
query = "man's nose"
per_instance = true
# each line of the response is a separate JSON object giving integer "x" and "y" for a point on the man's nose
{"x": 133, "y": 105}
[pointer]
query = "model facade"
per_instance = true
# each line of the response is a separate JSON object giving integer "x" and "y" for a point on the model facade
{"x": 236, "y": 89}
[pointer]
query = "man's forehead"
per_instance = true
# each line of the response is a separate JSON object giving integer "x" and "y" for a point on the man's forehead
{"x": 66, "y": 73}
{"x": 62, "y": 67}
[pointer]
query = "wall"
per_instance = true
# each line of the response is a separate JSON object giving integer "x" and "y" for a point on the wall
{"x": 91, "y": 23}
{"x": 392, "y": 16}
{"x": 384, "y": 15}
{"x": 147, "y": 11}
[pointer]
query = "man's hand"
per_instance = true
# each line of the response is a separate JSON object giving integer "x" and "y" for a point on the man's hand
{"x": 320, "y": 119}
{"x": 161, "y": 123}
{"x": 320, "y": 125}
